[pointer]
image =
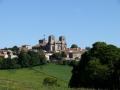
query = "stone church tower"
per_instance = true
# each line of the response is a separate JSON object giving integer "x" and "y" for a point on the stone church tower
{"x": 52, "y": 44}
{"x": 62, "y": 43}
{"x": 56, "y": 45}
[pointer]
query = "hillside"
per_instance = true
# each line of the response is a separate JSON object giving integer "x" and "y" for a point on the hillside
{"x": 32, "y": 78}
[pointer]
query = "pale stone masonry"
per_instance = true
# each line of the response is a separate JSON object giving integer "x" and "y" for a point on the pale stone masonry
{"x": 74, "y": 53}
{"x": 7, "y": 54}
{"x": 52, "y": 44}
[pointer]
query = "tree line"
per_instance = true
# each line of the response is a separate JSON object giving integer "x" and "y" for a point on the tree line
{"x": 25, "y": 59}
{"x": 98, "y": 68}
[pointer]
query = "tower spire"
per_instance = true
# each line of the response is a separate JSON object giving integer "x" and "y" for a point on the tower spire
{"x": 44, "y": 36}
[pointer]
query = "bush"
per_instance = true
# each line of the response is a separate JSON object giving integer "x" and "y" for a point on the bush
{"x": 65, "y": 62}
{"x": 68, "y": 62}
{"x": 73, "y": 63}
{"x": 50, "y": 81}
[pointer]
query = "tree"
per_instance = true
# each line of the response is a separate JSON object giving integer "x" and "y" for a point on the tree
{"x": 15, "y": 49}
{"x": 34, "y": 58}
{"x": 1, "y": 62}
{"x": 56, "y": 56}
{"x": 9, "y": 63}
{"x": 42, "y": 57}
{"x": 87, "y": 48}
{"x": 74, "y": 46}
{"x": 59, "y": 55}
{"x": 31, "y": 58}
{"x": 99, "y": 67}
{"x": 63, "y": 54}
{"x": 24, "y": 59}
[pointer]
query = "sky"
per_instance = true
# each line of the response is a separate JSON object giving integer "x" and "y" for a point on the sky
{"x": 82, "y": 22}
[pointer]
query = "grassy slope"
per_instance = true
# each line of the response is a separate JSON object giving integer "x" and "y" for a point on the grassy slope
{"x": 32, "y": 78}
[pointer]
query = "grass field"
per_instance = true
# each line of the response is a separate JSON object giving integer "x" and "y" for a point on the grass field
{"x": 32, "y": 78}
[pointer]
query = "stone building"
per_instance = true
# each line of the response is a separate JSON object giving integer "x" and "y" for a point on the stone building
{"x": 56, "y": 45}
{"x": 25, "y": 48}
{"x": 52, "y": 44}
{"x": 7, "y": 54}
{"x": 74, "y": 53}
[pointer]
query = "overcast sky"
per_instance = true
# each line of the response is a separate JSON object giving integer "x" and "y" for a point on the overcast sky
{"x": 82, "y": 21}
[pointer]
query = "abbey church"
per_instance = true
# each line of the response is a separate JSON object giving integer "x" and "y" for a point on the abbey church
{"x": 52, "y": 44}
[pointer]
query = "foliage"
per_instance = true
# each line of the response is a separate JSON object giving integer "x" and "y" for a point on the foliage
{"x": 15, "y": 49}
{"x": 69, "y": 62}
{"x": 73, "y": 63}
{"x": 25, "y": 59}
{"x": 50, "y": 81}
{"x": 9, "y": 63}
{"x": 87, "y": 48}
{"x": 74, "y": 46}
{"x": 99, "y": 67}
{"x": 58, "y": 56}
{"x": 31, "y": 58}
{"x": 63, "y": 54}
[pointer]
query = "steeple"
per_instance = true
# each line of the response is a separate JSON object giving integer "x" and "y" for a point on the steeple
{"x": 44, "y": 36}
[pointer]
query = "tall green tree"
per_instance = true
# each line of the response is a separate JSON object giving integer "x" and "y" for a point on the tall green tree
{"x": 24, "y": 59}
{"x": 99, "y": 67}
{"x": 31, "y": 58}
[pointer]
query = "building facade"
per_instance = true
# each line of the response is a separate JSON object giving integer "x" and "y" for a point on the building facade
{"x": 52, "y": 44}
{"x": 25, "y": 48}
{"x": 74, "y": 53}
{"x": 7, "y": 54}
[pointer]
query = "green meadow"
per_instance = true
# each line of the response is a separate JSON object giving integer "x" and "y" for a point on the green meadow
{"x": 32, "y": 78}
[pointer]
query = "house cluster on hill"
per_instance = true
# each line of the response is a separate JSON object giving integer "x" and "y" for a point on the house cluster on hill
{"x": 50, "y": 46}
{"x": 7, "y": 54}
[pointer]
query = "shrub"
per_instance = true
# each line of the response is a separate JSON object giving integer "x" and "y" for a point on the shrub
{"x": 50, "y": 81}
{"x": 73, "y": 63}
{"x": 65, "y": 62}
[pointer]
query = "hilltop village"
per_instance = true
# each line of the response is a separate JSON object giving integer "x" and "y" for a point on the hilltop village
{"x": 49, "y": 47}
